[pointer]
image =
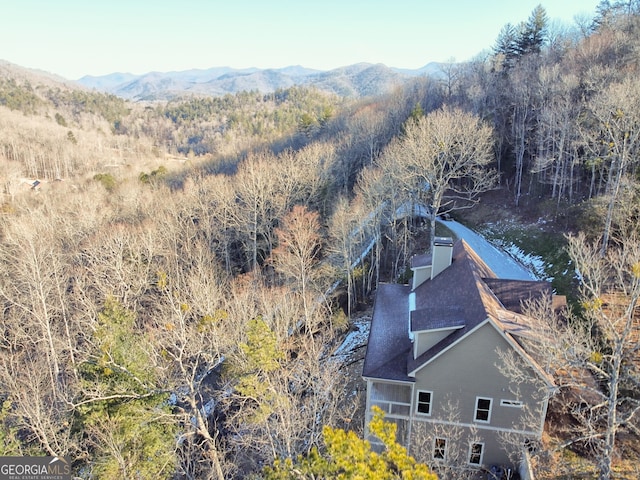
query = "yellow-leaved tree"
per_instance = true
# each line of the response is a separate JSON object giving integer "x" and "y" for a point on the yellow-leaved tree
{"x": 347, "y": 456}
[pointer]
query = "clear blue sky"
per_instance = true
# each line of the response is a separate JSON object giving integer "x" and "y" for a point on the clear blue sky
{"x": 73, "y": 38}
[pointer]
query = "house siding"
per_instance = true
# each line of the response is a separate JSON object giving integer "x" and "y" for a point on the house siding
{"x": 425, "y": 340}
{"x": 457, "y": 320}
{"x": 458, "y": 445}
{"x": 467, "y": 371}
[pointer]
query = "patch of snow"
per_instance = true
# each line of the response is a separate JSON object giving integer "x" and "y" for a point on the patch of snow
{"x": 534, "y": 262}
{"x": 355, "y": 338}
{"x": 208, "y": 408}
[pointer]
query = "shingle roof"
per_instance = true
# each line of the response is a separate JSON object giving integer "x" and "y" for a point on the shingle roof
{"x": 422, "y": 260}
{"x": 431, "y": 318}
{"x": 511, "y": 293}
{"x": 465, "y": 294}
{"x": 389, "y": 342}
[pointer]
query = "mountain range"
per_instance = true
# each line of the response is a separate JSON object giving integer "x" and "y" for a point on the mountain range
{"x": 358, "y": 80}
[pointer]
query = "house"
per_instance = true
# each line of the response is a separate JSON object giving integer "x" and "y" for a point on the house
{"x": 446, "y": 362}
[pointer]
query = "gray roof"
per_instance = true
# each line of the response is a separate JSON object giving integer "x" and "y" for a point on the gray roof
{"x": 512, "y": 293}
{"x": 463, "y": 295}
{"x": 389, "y": 342}
{"x": 421, "y": 260}
{"x": 431, "y": 318}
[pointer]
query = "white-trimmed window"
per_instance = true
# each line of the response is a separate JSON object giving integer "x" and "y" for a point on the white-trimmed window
{"x": 483, "y": 409}
{"x": 423, "y": 405}
{"x": 439, "y": 448}
{"x": 476, "y": 450}
{"x": 511, "y": 403}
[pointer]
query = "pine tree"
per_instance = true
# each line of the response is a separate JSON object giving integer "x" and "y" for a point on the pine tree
{"x": 262, "y": 357}
{"x": 506, "y": 46}
{"x": 533, "y": 32}
{"x": 125, "y": 414}
{"x": 348, "y": 456}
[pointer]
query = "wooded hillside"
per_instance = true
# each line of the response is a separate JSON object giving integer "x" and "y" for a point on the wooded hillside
{"x": 168, "y": 270}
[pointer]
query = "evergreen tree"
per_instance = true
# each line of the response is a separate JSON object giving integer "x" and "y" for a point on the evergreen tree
{"x": 262, "y": 356}
{"x": 416, "y": 114}
{"x": 125, "y": 414}
{"x": 533, "y": 32}
{"x": 348, "y": 456}
{"x": 506, "y": 46}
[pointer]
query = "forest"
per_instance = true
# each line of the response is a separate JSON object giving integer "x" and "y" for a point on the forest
{"x": 176, "y": 276}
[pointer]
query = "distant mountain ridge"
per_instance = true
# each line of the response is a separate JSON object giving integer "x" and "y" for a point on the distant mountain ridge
{"x": 358, "y": 80}
{"x": 31, "y": 75}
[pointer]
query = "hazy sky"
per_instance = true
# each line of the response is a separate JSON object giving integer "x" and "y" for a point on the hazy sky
{"x": 73, "y": 38}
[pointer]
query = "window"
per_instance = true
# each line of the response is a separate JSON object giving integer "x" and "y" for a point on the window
{"x": 483, "y": 410}
{"x": 511, "y": 403}
{"x": 391, "y": 398}
{"x": 439, "y": 448}
{"x": 424, "y": 402}
{"x": 475, "y": 453}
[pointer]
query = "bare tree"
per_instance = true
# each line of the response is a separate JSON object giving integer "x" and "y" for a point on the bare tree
{"x": 445, "y": 159}
{"x": 284, "y": 395}
{"x": 305, "y": 176}
{"x": 210, "y": 203}
{"x": 344, "y": 234}
{"x": 36, "y": 408}
{"x": 32, "y": 268}
{"x": 255, "y": 184}
{"x": 190, "y": 345}
{"x": 366, "y": 127}
{"x": 611, "y": 292}
{"x": 557, "y": 134}
{"x": 451, "y": 73}
{"x": 297, "y": 256}
{"x": 522, "y": 384}
{"x": 443, "y": 446}
{"x": 383, "y": 192}
{"x": 594, "y": 357}
{"x": 372, "y": 193}
{"x": 524, "y": 98}
{"x": 612, "y": 133}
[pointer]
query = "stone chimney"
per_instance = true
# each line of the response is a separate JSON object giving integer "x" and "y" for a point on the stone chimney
{"x": 442, "y": 253}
